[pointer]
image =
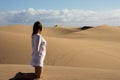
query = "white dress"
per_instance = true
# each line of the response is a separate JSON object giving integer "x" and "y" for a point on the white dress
{"x": 38, "y": 50}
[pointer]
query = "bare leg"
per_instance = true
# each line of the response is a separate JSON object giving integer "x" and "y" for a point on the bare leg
{"x": 38, "y": 71}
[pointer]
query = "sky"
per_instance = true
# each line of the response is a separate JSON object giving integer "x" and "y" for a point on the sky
{"x": 60, "y": 12}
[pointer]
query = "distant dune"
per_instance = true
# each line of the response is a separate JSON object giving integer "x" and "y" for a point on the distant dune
{"x": 88, "y": 50}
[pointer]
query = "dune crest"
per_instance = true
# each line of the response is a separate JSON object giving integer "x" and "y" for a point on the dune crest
{"x": 97, "y": 47}
{"x": 72, "y": 54}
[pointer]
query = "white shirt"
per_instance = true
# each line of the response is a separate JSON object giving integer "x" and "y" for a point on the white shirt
{"x": 38, "y": 50}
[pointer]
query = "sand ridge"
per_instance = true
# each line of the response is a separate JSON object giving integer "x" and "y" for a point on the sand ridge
{"x": 95, "y": 48}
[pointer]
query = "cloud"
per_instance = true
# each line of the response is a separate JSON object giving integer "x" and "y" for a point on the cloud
{"x": 63, "y": 17}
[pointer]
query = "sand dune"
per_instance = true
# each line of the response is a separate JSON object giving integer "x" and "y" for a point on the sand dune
{"x": 88, "y": 50}
{"x": 61, "y": 73}
{"x": 11, "y": 49}
{"x": 17, "y": 29}
{"x": 104, "y": 33}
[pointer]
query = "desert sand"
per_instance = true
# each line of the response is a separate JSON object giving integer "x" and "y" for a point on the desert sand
{"x": 72, "y": 54}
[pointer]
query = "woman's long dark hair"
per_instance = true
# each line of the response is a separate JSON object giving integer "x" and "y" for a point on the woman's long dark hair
{"x": 36, "y": 27}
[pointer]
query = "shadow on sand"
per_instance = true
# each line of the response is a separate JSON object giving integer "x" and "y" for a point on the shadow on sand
{"x": 23, "y": 76}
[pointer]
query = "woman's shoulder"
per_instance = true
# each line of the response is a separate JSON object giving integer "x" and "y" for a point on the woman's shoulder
{"x": 37, "y": 35}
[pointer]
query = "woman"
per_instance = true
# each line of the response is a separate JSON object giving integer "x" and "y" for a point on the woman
{"x": 38, "y": 49}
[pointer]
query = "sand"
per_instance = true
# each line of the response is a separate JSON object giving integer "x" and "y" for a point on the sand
{"x": 72, "y": 54}
{"x": 61, "y": 73}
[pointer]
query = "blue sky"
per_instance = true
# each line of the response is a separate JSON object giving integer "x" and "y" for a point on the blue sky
{"x": 59, "y": 4}
{"x": 63, "y": 12}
